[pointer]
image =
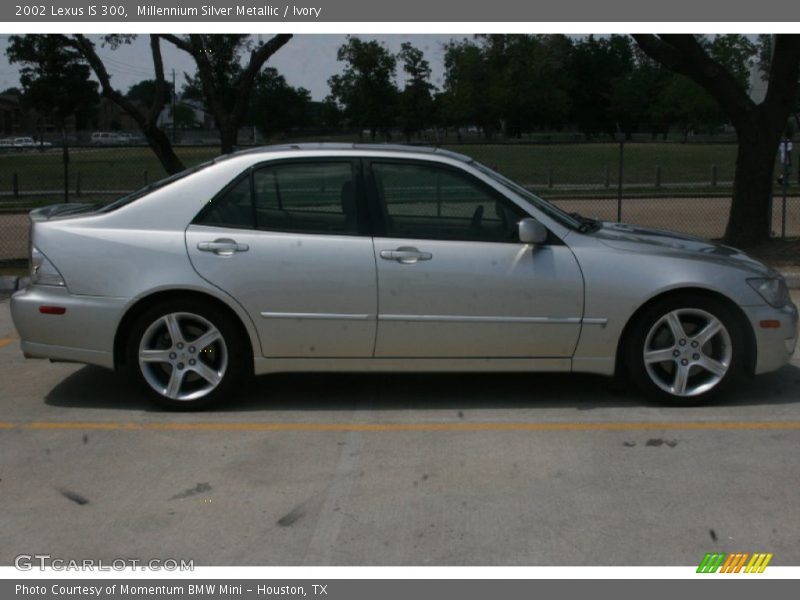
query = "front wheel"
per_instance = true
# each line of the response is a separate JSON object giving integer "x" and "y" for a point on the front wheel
{"x": 686, "y": 350}
{"x": 186, "y": 355}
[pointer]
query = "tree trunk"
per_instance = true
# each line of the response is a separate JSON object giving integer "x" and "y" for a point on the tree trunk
{"x": 156, "y": 138}
{"x": 749, "y": 221}
{"x": 161, "y": 145}
{"x": 758, "y": 126}
{"x": 229, "y": 136}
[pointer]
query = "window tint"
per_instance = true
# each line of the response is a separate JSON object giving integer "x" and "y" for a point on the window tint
{"x": 233, "y": 209}
{"x": 314, "y": 197}
{"x": 421, "y": 201}
{"x": 298, "y": 197}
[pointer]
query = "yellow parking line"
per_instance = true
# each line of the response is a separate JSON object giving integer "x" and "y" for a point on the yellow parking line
{"x": 8, "y": 340}
{"x": 388, "y": 427}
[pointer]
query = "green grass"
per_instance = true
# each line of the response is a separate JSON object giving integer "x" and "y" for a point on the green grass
{"x": 99, "y": 168}
{"x": 553, "y": 170}
{"x": 570, "y": 164}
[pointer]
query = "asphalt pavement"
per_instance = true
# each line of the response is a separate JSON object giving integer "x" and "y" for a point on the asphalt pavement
{"x": 394, "y": 470}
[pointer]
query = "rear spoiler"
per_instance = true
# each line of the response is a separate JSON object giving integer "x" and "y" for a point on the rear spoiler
{"x": 59, "y": 210}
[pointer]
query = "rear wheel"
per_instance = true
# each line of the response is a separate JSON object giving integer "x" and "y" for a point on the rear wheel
{"x": 686, "y": 350}
{"x": 187, "y": 355}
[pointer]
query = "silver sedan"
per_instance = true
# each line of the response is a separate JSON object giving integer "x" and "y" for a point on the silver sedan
{"x": 381, "y": 258}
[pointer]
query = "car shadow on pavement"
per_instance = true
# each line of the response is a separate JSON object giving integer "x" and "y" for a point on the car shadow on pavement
{"x": 92, "y": 387}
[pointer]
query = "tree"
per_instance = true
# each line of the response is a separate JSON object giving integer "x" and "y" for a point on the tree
{"x": 183, "y": 116}
{"x": 758, "y": 125}
{"x": 764, "y": 62}
{"x": 55, "y": 78}
{"x": 735, "y": 52}
{"x": 515, "y": 83}
{"x": 147, "y": 118}
{"x": 416, "y": 101}
{"x": 365, "y": 89}
{"x": 147, "y": 91}
{"x": 277, "y": 107}
{"x": 325, "y": 114}
{"x": 530, "y": 80}
{"x": 225, "y": 82}
{"x": 597, "y": 65}
{"x": 688, "y": 105}
{"x": 468, "y": 79}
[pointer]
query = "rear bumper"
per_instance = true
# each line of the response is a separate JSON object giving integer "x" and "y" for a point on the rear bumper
{"x": 774, "y": 345}
{"x": 83, "y": 333}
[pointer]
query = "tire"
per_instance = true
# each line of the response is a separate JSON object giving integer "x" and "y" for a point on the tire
{"x": 178, "y": 374}
{"x": 686, "y": 350}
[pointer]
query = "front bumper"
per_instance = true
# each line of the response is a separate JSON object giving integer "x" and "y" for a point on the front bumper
{"x": 774, "y": 345}
{"x": 83, "y": 333}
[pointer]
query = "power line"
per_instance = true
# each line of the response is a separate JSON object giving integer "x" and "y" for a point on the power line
{"x": 124, "y": 67}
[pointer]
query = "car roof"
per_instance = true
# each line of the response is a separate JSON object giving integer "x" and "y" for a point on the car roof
{"x": 342, "y": 147}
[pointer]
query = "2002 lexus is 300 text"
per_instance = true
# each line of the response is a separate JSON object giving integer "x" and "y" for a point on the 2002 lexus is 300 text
{"x": 381, "y": 258}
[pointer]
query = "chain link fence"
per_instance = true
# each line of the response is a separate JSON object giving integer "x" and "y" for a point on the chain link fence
{"x": 681, "y": 186}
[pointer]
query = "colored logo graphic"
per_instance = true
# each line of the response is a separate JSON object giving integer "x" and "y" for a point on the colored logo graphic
{"x": 734, "y": 563}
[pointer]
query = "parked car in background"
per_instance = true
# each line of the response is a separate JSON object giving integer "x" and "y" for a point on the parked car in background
{"x": 342, "y": 257}
{"x": 106, "y": 138}
{"x": 24, "y": 142}
{"x": 28, "y": 143}
{"x": 131, "y": 138}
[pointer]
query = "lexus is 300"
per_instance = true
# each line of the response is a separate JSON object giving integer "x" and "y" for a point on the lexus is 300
{"x": 381, "y": 258}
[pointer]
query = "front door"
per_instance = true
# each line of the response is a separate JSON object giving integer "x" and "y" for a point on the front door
{"x": 454, "y": 280}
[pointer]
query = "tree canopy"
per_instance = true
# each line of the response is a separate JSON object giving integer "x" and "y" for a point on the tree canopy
{"x": 366, "y": 90}
{"x": 55, "y": 79}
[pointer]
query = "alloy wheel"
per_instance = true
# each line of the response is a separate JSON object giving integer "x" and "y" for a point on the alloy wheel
{"x": 687, "y": 352}
{"x": 183, "y": 356}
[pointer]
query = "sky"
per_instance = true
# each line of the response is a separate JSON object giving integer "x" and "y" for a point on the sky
{"x": 308, "y": 60}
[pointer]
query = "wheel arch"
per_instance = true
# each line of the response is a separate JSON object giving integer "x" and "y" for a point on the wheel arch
{"x": 154, "y": 298}
{"x": 747, "y": 327}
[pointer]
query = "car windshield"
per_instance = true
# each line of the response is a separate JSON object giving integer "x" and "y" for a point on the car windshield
{"x": 551, "y": 210}
{"x": 143, "y": 191}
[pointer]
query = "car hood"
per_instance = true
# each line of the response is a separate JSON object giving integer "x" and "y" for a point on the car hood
{"x": 650, "y": 240}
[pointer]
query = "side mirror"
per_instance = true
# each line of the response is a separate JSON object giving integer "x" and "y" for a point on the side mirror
{"x": 532, "y": 232}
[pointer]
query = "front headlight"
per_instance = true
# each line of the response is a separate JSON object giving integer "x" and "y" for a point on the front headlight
{"x": 773, "y": 290}
{"x": 43, "y": 272}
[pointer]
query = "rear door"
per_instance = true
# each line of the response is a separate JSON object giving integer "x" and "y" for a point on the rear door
{"x": 285, "y": 240}
{"x": 453, "y": 278}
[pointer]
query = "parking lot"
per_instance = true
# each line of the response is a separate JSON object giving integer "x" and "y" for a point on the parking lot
{"x": 394, "y": 470}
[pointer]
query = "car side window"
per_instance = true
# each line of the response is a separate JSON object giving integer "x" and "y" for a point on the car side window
{"x": 233, "y": 209}
{"x": 432, "y": 202}
{"x": 310, "y": 197}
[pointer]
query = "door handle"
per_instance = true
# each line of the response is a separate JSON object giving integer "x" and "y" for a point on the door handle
{"x": 406, "y": 255}
{"x": 222, "y": 247}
